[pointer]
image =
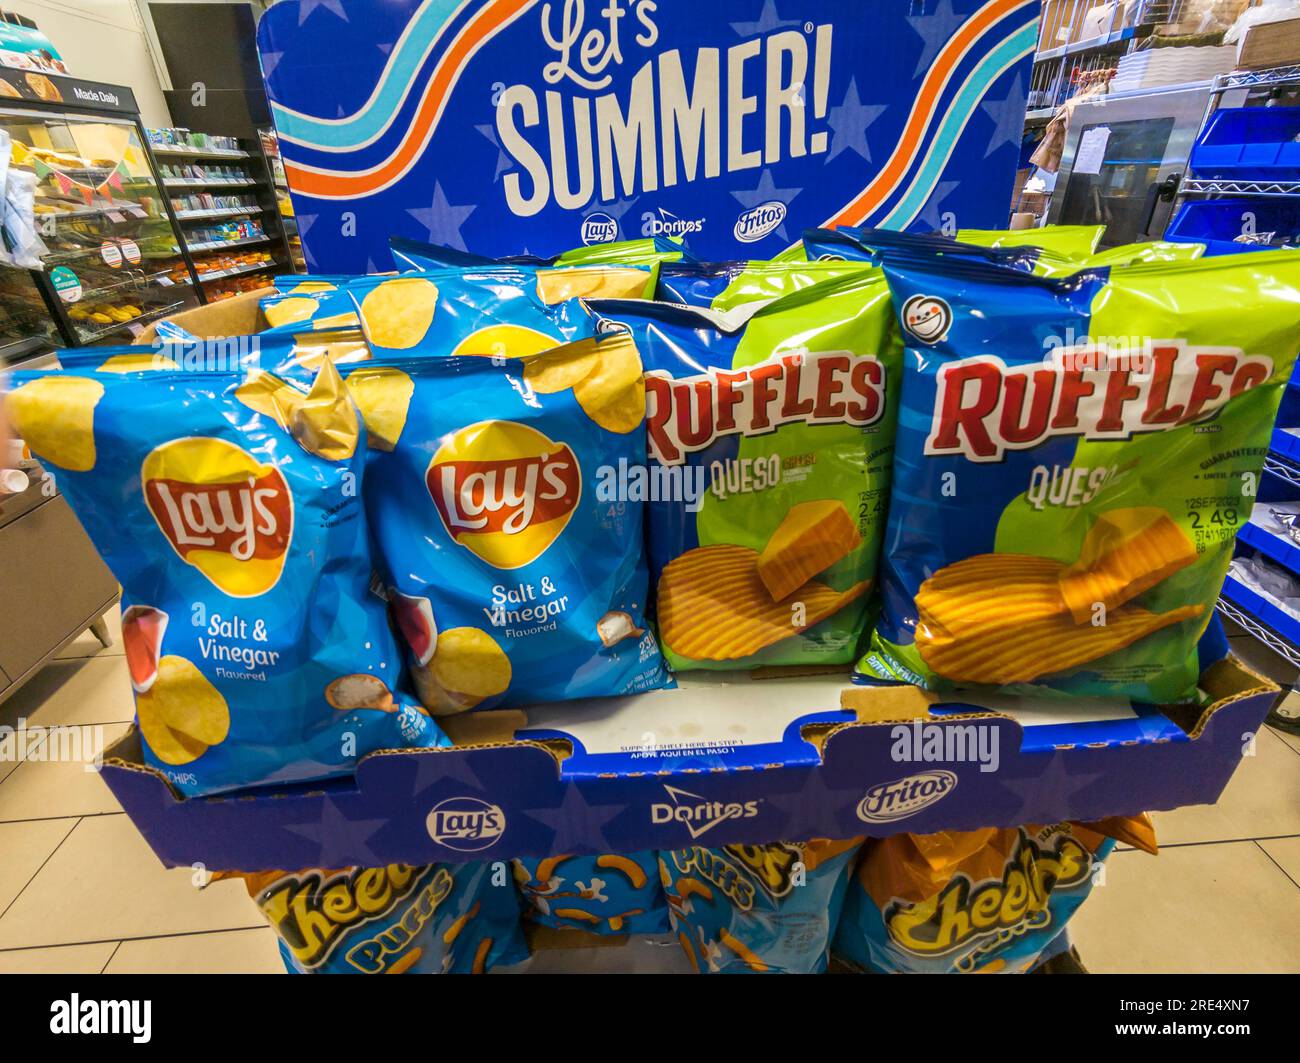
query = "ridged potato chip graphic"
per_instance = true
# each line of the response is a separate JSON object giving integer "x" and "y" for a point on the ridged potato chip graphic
{"x": 137, "y": 363}
{"x": 55, "y": 417}
{"x": 182, "y": 715}
{"x": 397, "y": 313}
{"x": 383, "y": 395}
{"x": 613, "y": 394}
{"x": 714, "y": 607}
{"x": 506, "y": 341}
{"x": 322, "y": 420}
{"x": 560, "y": 369}
{"x": 223, "y": 511}
{"x": 287, "y": 311}
{"x": 593, "y": 282}
{"x": 504, "y": 490}
{"x": 468, "y": 667}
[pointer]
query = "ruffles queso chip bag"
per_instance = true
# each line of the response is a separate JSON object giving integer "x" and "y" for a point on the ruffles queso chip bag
{"x": 510, "y": 311}
{"x": 515, "y": 580}
{"x": 612, "y": 893}
{"x": 234, "y": 521}
{"x": 437, "y": 919}
{"x": 417, "y": 255}
{"x": 757, "y": 909}
{"x": 770, "y": 436}
{"x": 1074, "y": 459}
{"x": 975, "y": 902}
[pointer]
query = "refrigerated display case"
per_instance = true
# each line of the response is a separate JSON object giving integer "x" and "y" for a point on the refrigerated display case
{"x": 1123, "y": 156}
{"x": 112, "y": 256}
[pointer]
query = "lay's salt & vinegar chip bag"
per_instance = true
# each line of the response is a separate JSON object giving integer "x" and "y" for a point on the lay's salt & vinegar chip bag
{"x": 991, "y": 901}
{"x": 515, "y": 579}
{"x": 511, "y": 311}
{"x": 757, "y": 909}
{"x": 770, "y": 438}
{"x": 613, "y": 893}
{"x": 415, "y": 254}
{"x": 436, "y": 919}
{"x": 1074, "y": 458}
{"x": 232, "y": 516}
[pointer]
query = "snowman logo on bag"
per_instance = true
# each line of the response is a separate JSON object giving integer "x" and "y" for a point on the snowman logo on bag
{"x": 927, "y": 317}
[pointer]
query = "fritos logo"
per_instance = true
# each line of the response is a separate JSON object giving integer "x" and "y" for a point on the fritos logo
{"x": 828, "y": 387}
{"x": 504, "y": 491}
{"x": 222, "y": 510}
{"x": 983, "y": 408}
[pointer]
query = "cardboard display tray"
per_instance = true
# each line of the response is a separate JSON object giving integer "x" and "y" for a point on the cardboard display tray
{"x": 723, "y": 759}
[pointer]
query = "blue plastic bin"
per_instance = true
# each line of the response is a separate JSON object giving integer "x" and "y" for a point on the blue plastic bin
{"x": 1216, "y": 222}
{"x": 1249, "y": 144}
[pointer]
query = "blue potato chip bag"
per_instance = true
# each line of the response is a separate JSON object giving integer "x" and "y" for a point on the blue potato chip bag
{"x": 770, "y": 435}
{"x": 512, "y": 311}
{"x": 973, "y": 902}
{"x": 726, "y": 285}
{"x": 757, "y": 909}
{"x": 607, "y": 894}
{"x": 233, "y": 518}
{"x": 515, "y": 580}
{"x": 415, "y": 254}
{"x": 310, "y": 305}
{"x": 437, "y": 919}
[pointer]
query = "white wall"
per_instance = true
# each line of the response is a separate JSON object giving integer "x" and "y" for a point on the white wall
{"x": 101, "y": 40}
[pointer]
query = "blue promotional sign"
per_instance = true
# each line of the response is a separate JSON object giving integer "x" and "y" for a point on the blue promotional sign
{"x": 503, "y": 126}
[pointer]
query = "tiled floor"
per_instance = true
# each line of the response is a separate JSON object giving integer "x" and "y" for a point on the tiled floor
{"x": 81, "y": 892}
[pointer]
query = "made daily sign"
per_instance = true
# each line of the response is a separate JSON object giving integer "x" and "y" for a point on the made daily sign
{"x": 503, "y": 125}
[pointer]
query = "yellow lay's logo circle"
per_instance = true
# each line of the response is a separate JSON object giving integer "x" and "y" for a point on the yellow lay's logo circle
{"x": 223, "y": 511}
{"x": 504, "y": 490}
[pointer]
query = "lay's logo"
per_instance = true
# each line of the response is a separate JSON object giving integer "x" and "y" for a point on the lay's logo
{"x": 222, "y": 510}
{"x": 504, "y": 491}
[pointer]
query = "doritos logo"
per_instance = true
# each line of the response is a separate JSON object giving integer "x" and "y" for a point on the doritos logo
{"x": 983, "y": 408}
{"x": 504, "y": 491}
{"x": 687, "y": 414}
{"x": 223, "y": 511}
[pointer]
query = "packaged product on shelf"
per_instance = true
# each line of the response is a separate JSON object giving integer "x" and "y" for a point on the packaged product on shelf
{"x": 726, "y": 285}
{"x": 770, "y": 438}
{"x": 230, "y": 511}
{"x": 613, "y": 893}
{"x": 757, "y": 909}
{"x": 436, "y": 919}
{"x": 1074, "y": 457}
{"x": 415, "y": 254}
{"x": 516, "y": 577}
{"x": 974, "y": 902}
{"x": 512, "y": 311}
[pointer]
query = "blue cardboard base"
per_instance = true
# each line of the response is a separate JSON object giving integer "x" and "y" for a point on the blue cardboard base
{"x": 721, "y": 760}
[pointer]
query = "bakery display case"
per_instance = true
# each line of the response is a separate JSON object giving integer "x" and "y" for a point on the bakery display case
{"x": 108, "y": 246}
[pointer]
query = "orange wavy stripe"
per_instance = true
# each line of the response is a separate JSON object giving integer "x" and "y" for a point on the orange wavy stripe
{"x": 918, "y": 121}
{"x": 314, "y": 183}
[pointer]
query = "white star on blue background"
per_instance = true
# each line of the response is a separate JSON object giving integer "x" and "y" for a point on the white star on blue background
{"x": 768, "y": 20}
{"x": 503, "y": 160}
{"x": 441, "y": 220}
{"x": 306, "y": 7}
{"x": 849, "y": 122}
{"x": 766, "y": 191}
{"x": 936, "y": 29}
{"x": 1008, "y": 116}
{"x": 942, "y": 191}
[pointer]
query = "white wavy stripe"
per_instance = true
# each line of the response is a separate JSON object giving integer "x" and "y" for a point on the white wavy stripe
{"x": 938, "y": 98}
{"x": 961, "y": 129}
{"x": 433, "y": 126}
{"x": 376, "y": 93}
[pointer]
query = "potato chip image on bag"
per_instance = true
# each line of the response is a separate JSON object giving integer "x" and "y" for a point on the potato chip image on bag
{"x": 1064, "y": 507}
{"x": 436, "y": 919}
{"x": 770, "y": 435}
{"x": 506, "y": 559}
{"x": 501, "y": 311}
{"x": 303, "y": 304}
{"x": 757, "y": 909}
{"x": 418, "y": 255}
{"x": 607, "y": 894}
{"x": 237, "y": 529}
{"x": 989, "y": 901}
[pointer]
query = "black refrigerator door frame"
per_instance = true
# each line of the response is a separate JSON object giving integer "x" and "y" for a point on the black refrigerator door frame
{"x": 40, "y": 278}
{"x": 275, "y": 199}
